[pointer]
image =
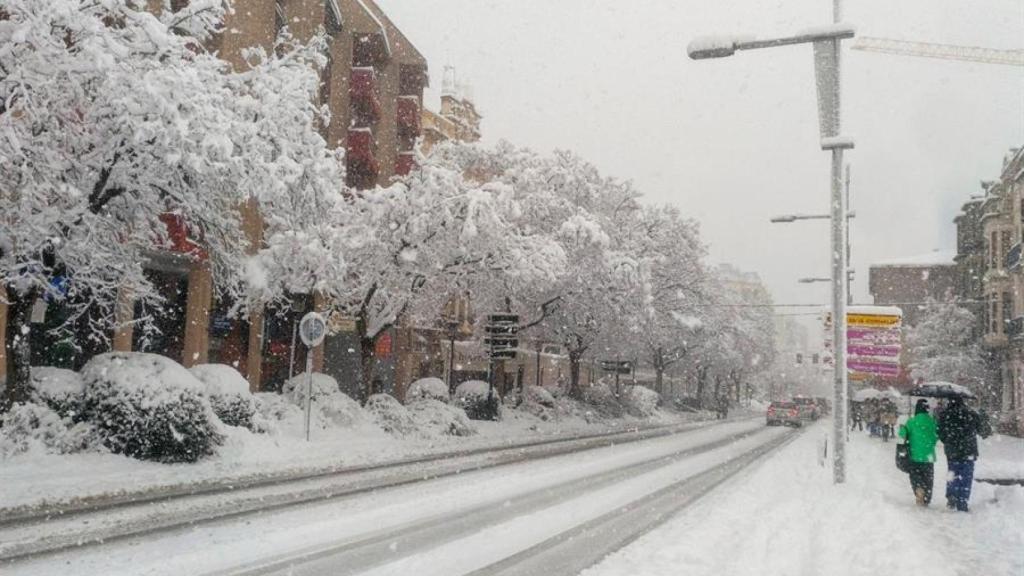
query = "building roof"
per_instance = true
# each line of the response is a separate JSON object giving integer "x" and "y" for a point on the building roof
{"x": 933, "y": 258}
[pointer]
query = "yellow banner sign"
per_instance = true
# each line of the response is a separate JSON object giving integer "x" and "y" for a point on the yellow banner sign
{"x": 872, "y": 320}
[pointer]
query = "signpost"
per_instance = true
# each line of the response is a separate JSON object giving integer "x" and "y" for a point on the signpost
{"x": 312, "y": 330}
{"x": 502, "y": 339}
{"x": 618, "y": 367}
{"x": 873, "y": 342}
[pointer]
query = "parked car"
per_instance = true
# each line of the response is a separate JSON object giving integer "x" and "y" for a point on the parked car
{"x": 784, "y": 413}
{"x": 809, "y": 409}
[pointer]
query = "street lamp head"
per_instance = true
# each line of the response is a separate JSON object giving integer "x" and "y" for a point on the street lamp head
{"x": 783, "y": 219}
{"x": 711, "y": 47}
{"x": 813, "y": 280}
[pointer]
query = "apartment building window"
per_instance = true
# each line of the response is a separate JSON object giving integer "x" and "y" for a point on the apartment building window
{"x": 332, "y": 17}
{"x": 993, "y": 251}
{"x": 993, "y": 316}
{"x": 1007, "y": 242}
{"x": 1007, "y": 310}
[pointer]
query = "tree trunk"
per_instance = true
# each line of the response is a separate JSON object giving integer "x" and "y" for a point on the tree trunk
{"x": 702, "y": 378}
{"x": 575, "y": 390}
{"x": 19, "y": 347}
{"x": 366, "y": 362}
{"x": 659, "y": 371}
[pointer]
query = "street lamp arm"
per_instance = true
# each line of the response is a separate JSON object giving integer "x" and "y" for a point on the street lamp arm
{"x": 721, "y": 46}
{"x": 786, "y": 218}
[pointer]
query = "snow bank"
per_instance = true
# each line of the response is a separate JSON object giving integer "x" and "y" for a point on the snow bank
{"x": 390, "y": 415}
{"x": 427, "y": 388}
{"x": 229, "y": 395}
{"x": 57, "y": 388}
{"x": 37, "y": 427}
{"x": 440, "y": 419}
{"x": 601, "y": 398}
{"x": 338, "y": 409}
{"x": 149, "y": 407}
{"x": 640, "y": 400}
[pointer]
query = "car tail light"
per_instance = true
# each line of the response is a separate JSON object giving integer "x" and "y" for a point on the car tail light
{"x": 771, "y": 410}
{"x": 793, "y": 412}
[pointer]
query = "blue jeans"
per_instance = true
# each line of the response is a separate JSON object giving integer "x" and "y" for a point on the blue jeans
{"x": 958, "y": 485}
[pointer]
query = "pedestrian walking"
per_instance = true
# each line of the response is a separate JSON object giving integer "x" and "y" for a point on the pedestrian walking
{"x": 959, "y": 428}
{"x": 889, "y": 416}
{"x": 920, "y": 433}
{"x": 856, "y": 416}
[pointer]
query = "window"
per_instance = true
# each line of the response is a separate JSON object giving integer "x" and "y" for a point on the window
{"x": 1007, "y": 310}
{"x": 332, "y": 17}
{"x": 1007, "y": 242}
{"x": 993, "y": 250}
{"x": 279, "y": 19}
{"x": 993, "y": 315}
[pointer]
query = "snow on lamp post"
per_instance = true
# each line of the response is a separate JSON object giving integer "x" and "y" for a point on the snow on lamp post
{"x": 826, "y": 42}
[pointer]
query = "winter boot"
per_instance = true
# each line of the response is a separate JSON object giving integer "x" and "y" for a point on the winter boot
{"x": 920, "y": 497}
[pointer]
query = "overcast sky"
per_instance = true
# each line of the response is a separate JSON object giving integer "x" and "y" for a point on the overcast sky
{"x": 734, "y": 141}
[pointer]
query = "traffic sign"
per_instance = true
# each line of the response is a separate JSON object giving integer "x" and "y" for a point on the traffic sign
{"x": 618, "y": 366}
{"x": 312, "y": 329}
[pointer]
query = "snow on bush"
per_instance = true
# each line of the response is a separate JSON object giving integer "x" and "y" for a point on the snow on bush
{"x": 640, "y": 400}
{"x": 540, "y": 396}
{"x": 338, "y": 409}
{"x": 57, "y": 388}
{"x": 601, "y": 398}
{"x": 438, "y": 418}
{"x": 390, "y": 415}
{"x": 149, "y": 407}
{"x": 427, "y": 388}
{"x": 295, "y": 387}
{"x": 228, "y": 393}
{"x": 472, "y": 396}
{"x": 29, "y": 427}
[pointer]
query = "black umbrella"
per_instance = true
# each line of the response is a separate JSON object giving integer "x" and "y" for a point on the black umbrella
{"x": 941, "y": 390}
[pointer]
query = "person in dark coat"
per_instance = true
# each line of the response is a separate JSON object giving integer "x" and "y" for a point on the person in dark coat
{"x": 959, "y": 428}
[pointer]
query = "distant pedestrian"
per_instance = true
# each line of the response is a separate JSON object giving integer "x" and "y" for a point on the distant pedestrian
{"x": 959, "y": 428}
{"x": 889, "y": 416}
{"x": 722, "y": 408}
{"x": 856, "y": 417}
{"x": 920, "y": 432}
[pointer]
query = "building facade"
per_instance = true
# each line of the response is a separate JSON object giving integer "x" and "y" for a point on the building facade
{"x": 1002, "y": 221}
{"x": 909, "y": 282}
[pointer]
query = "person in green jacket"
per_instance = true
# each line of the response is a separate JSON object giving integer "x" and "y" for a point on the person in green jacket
{"x": 920, "y": 432}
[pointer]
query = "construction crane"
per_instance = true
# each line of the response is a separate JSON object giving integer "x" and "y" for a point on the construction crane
{"x": 941, "y": 51}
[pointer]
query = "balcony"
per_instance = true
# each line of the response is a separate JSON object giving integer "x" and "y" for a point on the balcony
{"x": 405, "y": 163}
{"x": 362, "y": 90}
{"x": 360, "y": 158}
{"x": 1013, "y": 258}
{"x": 408, "y": 116}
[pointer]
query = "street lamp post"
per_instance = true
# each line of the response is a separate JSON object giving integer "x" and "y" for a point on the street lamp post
{"x": 826, "y": 42}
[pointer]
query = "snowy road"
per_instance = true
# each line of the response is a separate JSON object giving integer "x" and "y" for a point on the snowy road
{"x": 552, "y": 516}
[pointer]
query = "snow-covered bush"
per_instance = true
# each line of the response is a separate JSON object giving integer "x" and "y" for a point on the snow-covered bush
{"x": 29, "y": 426}
{"x": 274, "y": 407}
{"x": 390, "y": 415}
{"x": 295, "y": 387}
{"x": 540, "y": 396}
{"x": 338, "y": 409}
{"x": 640, "y": 400}
{"x": 427, "y": 388}
{"x": 601, "y": 398}
{"x": 473, "y": 397}
{"x": 438, "y": 418}
{"x": 149, "y": 407}
{"x": 58, "y": 388}
{"x": 229, "y": 396}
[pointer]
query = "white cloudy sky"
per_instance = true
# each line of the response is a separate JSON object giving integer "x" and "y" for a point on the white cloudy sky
{"x": 733, "y": 142}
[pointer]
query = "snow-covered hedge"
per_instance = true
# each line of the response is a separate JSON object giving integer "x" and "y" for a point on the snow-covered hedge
{"x": 438, "y": 418}
{"x": 538, "y": 402}
{"x": 540, "y": 396}
{"x": 57, "y": 388}
{"x": 228, "y": 392}
{"x": 601, "y": 398}
{"x": 390, "y": 415}
{"x": 640, "y": 400}
{"x": 472, "y": 396}
{"x": 338, "y": 409}
{"x": 433, "y": 388}
{"x": 28, "y": 427}
{"x": 295, "y": 387}
{"x": 149, "y": 407}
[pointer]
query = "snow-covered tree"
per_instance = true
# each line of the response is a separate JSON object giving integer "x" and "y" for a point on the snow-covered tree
{"x": 115, "y": 123}
{"x": 942, "y": 345}
{"x": 431, "y": 235}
